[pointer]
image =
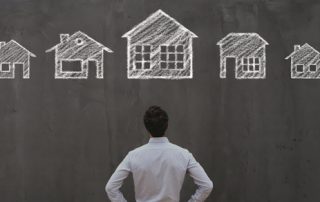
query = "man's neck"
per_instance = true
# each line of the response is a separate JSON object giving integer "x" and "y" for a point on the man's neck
{"x": 159, "y": 140}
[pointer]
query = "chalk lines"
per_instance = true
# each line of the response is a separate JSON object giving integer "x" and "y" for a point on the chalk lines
{"x": 159, "y": 48}
{"x": 12, "y": 57}
{"x": 249, "y": 52}
{"x": 305, "y": 62}
{"x": 76, "y": 51}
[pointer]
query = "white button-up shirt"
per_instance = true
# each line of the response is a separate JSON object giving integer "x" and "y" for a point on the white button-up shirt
{"x": 158, "y": 170}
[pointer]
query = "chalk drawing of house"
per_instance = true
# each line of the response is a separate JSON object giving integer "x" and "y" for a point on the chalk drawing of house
{"x": 245, "y": 54}
{"x": 159, "y": 48}
{"x": 305, "y": 61}
{"x": 13, "y": 58}
{"x": 73, "y": 55}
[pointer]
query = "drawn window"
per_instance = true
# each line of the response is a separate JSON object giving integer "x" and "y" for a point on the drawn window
{"x": 299, "y": 68}
{"x": 5, "y": 67}
{"x": 171, "y": 57}
{"x": 71, "y": 65}
{"x": 142, "y": 54}
{"x": 312, "y": 68}
{"x": 250, "y": 64}
{"x": 79, "y": 41}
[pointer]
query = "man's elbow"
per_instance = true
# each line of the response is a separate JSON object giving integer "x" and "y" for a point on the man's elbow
{"x": 208, "y": 187}
{"x": 108, "y": 188}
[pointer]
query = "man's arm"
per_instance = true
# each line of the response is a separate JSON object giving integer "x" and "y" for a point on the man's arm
{"x": 116, "y": 180}
{"x": 201, "y": 179}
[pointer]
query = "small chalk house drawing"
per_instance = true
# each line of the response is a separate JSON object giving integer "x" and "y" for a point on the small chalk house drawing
{"x": 248, "y": 53}
{"x": 73, "y": 54}
{"x": 159, "y": 48}
{"x": 12, "y": 57}
{"x": 305, "y": 62}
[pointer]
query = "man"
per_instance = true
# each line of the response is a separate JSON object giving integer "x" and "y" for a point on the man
{"x": 159, "y": 167}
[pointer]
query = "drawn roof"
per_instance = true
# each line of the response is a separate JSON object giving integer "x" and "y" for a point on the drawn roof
{"x": 69, "y": 49}
{"x": 154, "y": 22}
{"x": 241, "y": 37}
{"x": 13, "y": 47}
{"x": 303, "y": 51}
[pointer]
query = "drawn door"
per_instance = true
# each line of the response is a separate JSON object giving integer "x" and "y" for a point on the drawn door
{"x": 230, "y": 67}
{"x": 18, "y": 70}
{"x": 92, "y": 66}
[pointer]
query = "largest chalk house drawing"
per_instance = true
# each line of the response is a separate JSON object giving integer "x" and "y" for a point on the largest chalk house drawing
{"x": 74, "y": 54}
{"x": 159, "y": 48}
{"x": 14, "y": 58}
{"x": 244, "y": 54}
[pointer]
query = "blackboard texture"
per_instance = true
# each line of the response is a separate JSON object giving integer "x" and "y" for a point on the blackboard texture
{"x": 60, "y": 140}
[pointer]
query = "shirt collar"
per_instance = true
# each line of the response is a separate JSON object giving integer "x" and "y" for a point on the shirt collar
{"x": 158, "y": 140}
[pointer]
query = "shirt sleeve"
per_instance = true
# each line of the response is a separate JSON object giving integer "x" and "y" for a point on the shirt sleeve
{"x": 116, "y": 180}
{"x": 200, "y": 178}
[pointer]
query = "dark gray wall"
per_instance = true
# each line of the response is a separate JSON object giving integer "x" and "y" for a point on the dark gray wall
{"x": 258, "y": 140}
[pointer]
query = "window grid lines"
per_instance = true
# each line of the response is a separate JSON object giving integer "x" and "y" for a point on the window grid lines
{"x": 172, "y": 57}
{"x": 313, "y": 68}
{"x": 142, "y": 57}
{"x": 250, "y": 64}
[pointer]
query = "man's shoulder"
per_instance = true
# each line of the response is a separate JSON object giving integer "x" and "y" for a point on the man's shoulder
{"x": 179, "y": 148}
{"x": 138, "y": 149}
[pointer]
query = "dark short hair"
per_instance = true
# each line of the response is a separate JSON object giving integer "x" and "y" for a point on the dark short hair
{"x": 156, "y": 121}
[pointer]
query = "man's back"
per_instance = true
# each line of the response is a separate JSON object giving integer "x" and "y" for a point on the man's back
{"x": 158, "y": 170}
{"x": 159, "y": 167}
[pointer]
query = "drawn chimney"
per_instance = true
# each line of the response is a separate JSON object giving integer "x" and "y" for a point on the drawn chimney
{"x": 64, "y": 37}
{"x": 2, "y": 43}
{"x": 296, "y": 47}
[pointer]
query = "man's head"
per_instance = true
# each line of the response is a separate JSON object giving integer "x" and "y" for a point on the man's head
{"x": 156, "y": 121}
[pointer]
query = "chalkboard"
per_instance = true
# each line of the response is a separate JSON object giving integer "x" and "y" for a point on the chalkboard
{"x": 258, "y": 139}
